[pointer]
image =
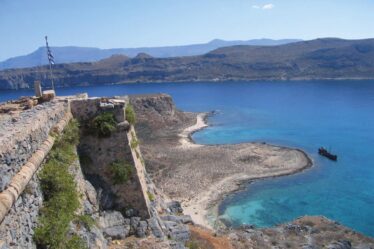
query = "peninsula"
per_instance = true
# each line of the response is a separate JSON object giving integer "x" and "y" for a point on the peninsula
{"x": 129, "y": 176}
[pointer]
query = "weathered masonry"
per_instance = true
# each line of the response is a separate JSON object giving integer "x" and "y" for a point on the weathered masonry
{"x": 25, "y": 140}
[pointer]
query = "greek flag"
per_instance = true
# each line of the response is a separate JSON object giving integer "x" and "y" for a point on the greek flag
{"x": 51, "y": 59}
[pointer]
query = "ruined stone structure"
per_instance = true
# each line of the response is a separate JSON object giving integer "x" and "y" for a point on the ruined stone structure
{"x": 24, "y": 143}
{"x": 100, "y": 152}
{"x": 118, "y": 209}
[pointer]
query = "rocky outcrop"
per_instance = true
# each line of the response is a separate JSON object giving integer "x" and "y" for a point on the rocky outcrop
{"x": 307, "y": 232}
{"x": 158, "y": 117}
{"x": 93, "y": 236}
{"x": 114, "y": 225}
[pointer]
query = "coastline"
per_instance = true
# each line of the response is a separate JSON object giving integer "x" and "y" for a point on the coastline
{"x": 203, "y": 207}
{"x": 186, "y": 141}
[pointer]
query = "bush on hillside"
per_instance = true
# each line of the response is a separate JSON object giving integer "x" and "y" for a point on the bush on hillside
{"x": 120, "y": 171}
{"x": 104, "y": 124}
{"x": 130, "y": 114}
{"x": 61, "y": 198}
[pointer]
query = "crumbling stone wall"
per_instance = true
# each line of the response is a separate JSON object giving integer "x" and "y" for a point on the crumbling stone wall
{"x": 97, "y": 153}
{"x": 29, "y": 135}
{"x": 17, "y": 228}
{"x": 24, "y": 136}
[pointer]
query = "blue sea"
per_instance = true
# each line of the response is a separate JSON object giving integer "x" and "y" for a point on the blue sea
{"x": 301, "y": 114}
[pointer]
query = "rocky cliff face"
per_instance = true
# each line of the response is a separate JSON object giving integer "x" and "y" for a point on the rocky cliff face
{"x": 158, "y": 117}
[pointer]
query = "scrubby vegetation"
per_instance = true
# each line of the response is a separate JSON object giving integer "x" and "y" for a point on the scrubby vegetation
{"x": 85, "y": 220}
{"x": 104, "y": 124}
{"x": 130, "y": 114}
{"x": 120, "y": 171}
{"x": 134, "y": 143}
{"x": 61, "y": 198}
{"x": 151, "y": 196}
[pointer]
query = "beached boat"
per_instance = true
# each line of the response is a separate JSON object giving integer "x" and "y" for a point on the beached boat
{"x": 323, "y": 152}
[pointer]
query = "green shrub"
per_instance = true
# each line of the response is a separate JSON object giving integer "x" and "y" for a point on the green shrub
{"x": 130, "y": 114}
{"x": 70, "y": 133}
{"x": 75, "y": 242}
{"x": 104, "y": 124}
{"x": 151, "y": 197}
{"x": 120, "y": 171}
{"x": 61, "y": 198}
{"x": 134, "y": 143}
{"x": 86, "y": 220}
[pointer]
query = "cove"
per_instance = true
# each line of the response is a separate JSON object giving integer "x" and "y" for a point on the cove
{"x": 302, "y": 114}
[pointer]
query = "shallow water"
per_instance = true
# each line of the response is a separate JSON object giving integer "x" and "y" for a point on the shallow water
{"x": 306, "y": 115}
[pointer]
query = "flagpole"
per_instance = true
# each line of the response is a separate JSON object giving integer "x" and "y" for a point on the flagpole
{"x": 49, "y": 55}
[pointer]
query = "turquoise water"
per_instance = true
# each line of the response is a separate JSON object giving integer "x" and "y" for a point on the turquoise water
{"x": 306, "y": 115}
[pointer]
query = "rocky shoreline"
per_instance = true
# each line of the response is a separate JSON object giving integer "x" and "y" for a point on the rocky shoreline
{"x": 203, "y": 208}
{"x": 199, "y": 176}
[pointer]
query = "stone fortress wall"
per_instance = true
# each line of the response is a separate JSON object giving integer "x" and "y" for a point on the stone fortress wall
{"x": 100, "y": 152}
{"x": 24, "y": 144}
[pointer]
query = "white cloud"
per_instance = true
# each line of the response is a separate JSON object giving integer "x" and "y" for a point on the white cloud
{"x": 268, "y": 6}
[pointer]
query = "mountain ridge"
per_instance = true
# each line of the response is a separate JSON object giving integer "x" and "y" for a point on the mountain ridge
{"x": 71, "y": 54}
{"x": 333, "y": 59}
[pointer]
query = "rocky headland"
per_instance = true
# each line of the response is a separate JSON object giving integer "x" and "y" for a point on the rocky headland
{"x": 199, "y": 176}
{"x": 128, "y": 175}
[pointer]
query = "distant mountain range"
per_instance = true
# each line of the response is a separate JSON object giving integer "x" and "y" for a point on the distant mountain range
{"x": 328, "y": 58}
{"x": 83, "y": 54}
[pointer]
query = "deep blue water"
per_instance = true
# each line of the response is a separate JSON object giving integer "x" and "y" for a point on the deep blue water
{"x": 306, "y": 115}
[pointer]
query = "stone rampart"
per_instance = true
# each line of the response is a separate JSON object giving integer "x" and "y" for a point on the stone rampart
{"x": 99, "y": 153}
{"x": 22, "y": 134}
{"x": 25, "y": 142}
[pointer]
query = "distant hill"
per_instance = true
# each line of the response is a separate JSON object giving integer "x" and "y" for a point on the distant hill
{"x": 316, "y": 59}
{"x": 82, "y": 54}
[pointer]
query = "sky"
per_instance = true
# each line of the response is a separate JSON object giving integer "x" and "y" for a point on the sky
{"x": 138, "y": 23}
